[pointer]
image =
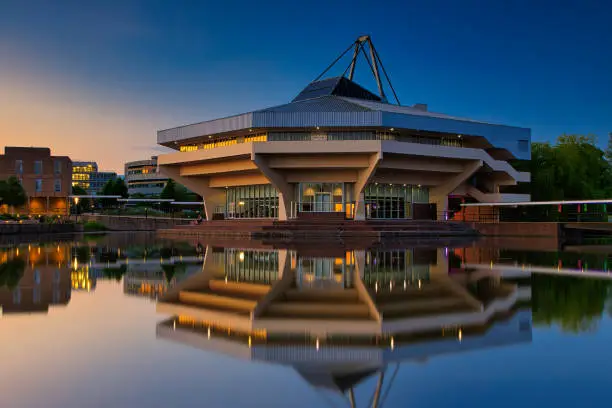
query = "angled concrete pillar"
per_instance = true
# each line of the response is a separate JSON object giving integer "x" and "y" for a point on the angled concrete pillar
{"x": 363, "y": 178}
{"x": 286, "y": 192}
{"x": 439, "y": 194}
{"x": 212, "y": 197}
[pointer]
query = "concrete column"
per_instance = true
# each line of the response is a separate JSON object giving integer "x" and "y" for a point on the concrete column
{"x": 441, "y": 203}
{"x": 286, "y": 194}
{"x": 360, "y": 208}
{"x": 212, "y": 197}
{"x": 439, "y": 194}
{"x": 363, "y": 178}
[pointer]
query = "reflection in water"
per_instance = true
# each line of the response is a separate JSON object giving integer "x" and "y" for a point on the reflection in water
{"x": 338, "y": 320}
{"x": 347, "y": 320}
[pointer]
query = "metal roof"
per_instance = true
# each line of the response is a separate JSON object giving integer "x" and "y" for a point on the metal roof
{"x": 337, "y": 86}
{"x": 320, "y": 104}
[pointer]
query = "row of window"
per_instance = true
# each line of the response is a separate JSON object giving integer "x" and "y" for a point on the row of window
{"x": 38, "y": 167}
{"x": 454, "y": 141}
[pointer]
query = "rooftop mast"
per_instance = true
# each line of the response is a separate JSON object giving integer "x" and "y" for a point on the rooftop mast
{"x": 373, "y": 61}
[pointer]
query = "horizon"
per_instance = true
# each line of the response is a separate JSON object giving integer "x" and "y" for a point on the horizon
{"x": 96, "y": 81}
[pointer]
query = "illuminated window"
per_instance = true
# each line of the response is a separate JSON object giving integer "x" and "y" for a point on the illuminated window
{"x": 58, "y": 186}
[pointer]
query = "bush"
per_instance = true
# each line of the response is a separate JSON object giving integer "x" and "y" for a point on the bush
{"x": 93, "y": 226}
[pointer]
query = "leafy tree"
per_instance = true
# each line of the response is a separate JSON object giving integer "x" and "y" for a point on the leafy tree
{"x": 114, "y": 187}
{"x": 120, "y": 188}
{"x": 83, "y": 203}
{"x": 609, "y": 148}
{"x": 168, "y": 193}
{"x": 12, "y": 193}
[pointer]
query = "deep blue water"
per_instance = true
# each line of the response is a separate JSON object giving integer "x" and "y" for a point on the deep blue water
{"x": 101, "y": 347}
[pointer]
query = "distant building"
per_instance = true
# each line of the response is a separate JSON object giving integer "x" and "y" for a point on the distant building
{"x": 45, "y": 178}
{"x": 85, "y": 174}
{"x": 143, "y": 178}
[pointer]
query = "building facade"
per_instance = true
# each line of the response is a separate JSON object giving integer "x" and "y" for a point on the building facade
{"x": 85, "y": 174}
{"x": 45, "y": 178}
{"x": 44, "y": 281}
{"x": 337, "y": 147}
{"x": 142, "y": 177}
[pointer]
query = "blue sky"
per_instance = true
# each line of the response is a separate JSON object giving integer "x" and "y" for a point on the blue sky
{"x": 116, "y": 71}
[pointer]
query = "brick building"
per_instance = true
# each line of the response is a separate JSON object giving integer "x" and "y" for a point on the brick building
{"x": 46, "y": 179}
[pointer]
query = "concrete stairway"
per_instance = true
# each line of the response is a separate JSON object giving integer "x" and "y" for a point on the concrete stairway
{"x": 412, "y": 302}
{"x": 328, "y": 304}
{"x": 238, "y": 297}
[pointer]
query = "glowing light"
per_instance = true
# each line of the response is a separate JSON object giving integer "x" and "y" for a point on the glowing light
{"x": 317, "y": 344}
{"x": 460, "y": 335}
{"x": 241, "y": 256}
{"x": 249, "y": 341}
{"x": 404, "y": 284}
{"x": 419, "y": 284}
{"x": 392, "y": 343}
{"x": 209, "y": 332}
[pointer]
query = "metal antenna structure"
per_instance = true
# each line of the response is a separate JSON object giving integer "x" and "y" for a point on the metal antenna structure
{"x": 374, "y": 61}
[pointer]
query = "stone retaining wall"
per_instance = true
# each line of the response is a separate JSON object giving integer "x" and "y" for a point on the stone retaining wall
{"x": 134, "y": 223}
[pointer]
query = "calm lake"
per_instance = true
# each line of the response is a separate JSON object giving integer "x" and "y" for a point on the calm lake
{"x": 131, "y": 320}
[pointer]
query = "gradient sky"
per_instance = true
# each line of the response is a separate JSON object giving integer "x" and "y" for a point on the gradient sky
{"x": 94, "y": 80}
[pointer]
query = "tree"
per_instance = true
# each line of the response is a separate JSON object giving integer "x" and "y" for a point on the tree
{"x": 11, "y": 272}
{"x": 168, "y": 193}
{"x": 82, "y": 203}
{"x": 12, "y": 193}
{"x": 120, "y": 188}
{"x": 609, "y": 148}
{"x": 114, "y": 187}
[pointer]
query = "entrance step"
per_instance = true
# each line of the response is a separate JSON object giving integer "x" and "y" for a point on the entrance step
{"x": 204, "y": 299}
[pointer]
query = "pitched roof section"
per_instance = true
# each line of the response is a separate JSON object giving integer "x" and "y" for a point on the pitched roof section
{"x": 405, "y": 110}
{"x": 319, "y": 104}
{"x": 336, "y": 86}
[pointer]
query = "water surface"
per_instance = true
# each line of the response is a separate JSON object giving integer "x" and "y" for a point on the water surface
{"x": 81, "y": 327}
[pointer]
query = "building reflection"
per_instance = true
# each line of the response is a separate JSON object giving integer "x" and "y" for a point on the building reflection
{"x": 344, "y": 317}
{"x": 34, "y": 277}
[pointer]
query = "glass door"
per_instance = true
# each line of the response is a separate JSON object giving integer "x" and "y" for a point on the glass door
{"x": 323, "y": 202}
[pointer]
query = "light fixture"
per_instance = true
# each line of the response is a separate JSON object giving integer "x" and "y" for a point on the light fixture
{"x": 241, "y": 256}
{"x": 392, "y": 129}
{"x": 250, "y": 130}
{"x": 317, "y": 128}
{"x": 459, "y": 136}
{"x": 418, "y": 185}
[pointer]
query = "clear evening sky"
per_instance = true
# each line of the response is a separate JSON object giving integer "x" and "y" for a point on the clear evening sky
{"x": 95, "y": 79}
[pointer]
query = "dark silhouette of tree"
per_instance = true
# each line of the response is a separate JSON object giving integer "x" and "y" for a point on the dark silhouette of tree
{"x": 12, "y": 193}
{"x": 11, "y": 272}
{"x": 575, "y": 304}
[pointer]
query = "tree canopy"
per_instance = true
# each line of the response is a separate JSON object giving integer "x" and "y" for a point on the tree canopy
{"x": 573, "y": 168}
{"x": 12, "y": 193}
{"x": 115, "y": 186}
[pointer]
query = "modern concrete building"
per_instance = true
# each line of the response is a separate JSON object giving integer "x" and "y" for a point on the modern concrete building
{"x": 142, "y": 177}
{"x": 363, "y": 293}
{"x": 85, "y": 174}
{"x": 337, "y": 147}
{"x": 45, "y": 178}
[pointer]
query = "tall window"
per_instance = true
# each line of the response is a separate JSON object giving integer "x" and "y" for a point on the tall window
{"x": 38, "y": 185}
{"x": 58, "y": 186}
{"x": 57, "y": 167}
{"x": 38, "y": 167}
{"x": 19, "y": 167}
